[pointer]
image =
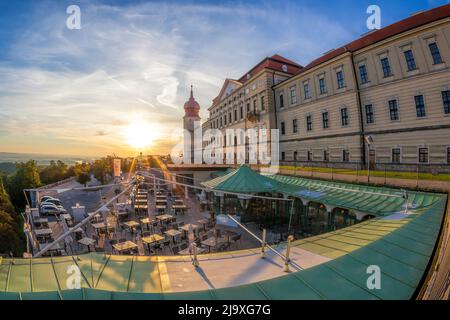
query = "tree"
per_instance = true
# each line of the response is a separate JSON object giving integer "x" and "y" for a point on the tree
{"x": 82, "y": 173}
{"x": 54, "y": 172}
{"x": 26, "y": 177}
{"x": 12, "y": 237}
{"x": 101, "y": 168}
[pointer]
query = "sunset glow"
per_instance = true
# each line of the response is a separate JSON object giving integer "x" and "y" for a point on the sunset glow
{"x": 140, "y": 134}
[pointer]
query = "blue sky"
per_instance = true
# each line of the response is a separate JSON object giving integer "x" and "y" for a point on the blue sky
{"x": 76, "y": 91}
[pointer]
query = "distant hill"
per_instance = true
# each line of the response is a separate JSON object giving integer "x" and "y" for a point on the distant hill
{"x": 8, "y": 167}
{"x": 42, "y": 159}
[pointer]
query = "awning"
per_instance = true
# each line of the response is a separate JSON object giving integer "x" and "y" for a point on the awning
{"x": 242, "y": 180}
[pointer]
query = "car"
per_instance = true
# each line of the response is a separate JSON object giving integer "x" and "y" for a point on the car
{"x": 49, "y": 210}
{"x": 49, "y": 204}
{"x": 45, "y": 198}
{"x": 52, "y": 200}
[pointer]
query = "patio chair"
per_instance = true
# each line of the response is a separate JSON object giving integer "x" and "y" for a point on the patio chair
{"x": 112, "y": 242}
{"x": 234, "y": 240}
{"x": 146, "y": 233}
{"x": 223, "y": 246}
{"x": 154, "y": 225}
{"x": 183, "y": 246}
{"x": 175, "y": 250}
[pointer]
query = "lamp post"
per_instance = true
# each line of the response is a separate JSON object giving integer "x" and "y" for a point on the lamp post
{"x": 369, "y": 141}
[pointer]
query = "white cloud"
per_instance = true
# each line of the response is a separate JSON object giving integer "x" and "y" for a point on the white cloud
{"x": 141, "y": 59}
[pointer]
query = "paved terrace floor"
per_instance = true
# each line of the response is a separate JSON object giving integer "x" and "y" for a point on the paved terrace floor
{"x": 335, "y": 268}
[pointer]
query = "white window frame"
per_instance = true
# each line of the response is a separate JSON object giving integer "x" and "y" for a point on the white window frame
{"x": 401, "y": 154}
{"x": 418, "y": 154}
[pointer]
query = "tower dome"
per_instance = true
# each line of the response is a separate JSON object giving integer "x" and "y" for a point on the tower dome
{"x": 191, "y": 107}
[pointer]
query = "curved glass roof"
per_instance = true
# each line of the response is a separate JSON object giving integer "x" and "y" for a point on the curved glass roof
{"x": 401, "y": 247}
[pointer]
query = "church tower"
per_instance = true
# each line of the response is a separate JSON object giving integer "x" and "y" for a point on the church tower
{"x": 190, "y": 120}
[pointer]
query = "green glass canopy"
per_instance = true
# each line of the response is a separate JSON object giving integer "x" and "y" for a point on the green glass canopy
{"x": 243, "y": 180}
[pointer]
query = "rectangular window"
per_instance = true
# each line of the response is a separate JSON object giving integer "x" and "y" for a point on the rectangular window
{"x": 294, "y": 126}
{"x": 393, "y": 110}
{"x": 369, "y": 114}
{"x": 446, "y": 101}
{"x": 344, "y": 117}
{"x": 423, "y": 155}
{"x": 326, "y": 156}
{"x": 309, "y": 122}
{"x": 235, "y": 115}
{"x": 307, "y": 91}
{"x": 242, "y": 112}
{"x": 295, "y": 155}
{"x": 340, "y": 79}
{"x": 363, "y": 74}
{"x": 254, "y": 106}
{"x": 410, "y": 62}
{"x": 229, "y": 117}
{"x": 293, "y": 95}
{"x": 283, "y": 156}
{"x": 435, "y": 54}
{"x": 325, "y": 120}
{"x": 248, "y": 108}
{"x": 283, "y": 128}
{"x": 309, "y": 156}
{"x": 345, "y": 156}
{"x": 281, "y": 101}
{"x": 396, "y": 155}
{"x": 322, "y": 86}
{"x": 420, "y": 106}
{"x": 263, "y": 106}
{"x": 386, "y": 67}
{"x": 448, "y": 154}
{"x": 225, "y": 120}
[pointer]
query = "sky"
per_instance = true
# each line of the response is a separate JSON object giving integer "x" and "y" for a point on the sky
{"x": 76, "y": 92}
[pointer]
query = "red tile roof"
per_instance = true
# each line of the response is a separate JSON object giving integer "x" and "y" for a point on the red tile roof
{"x": 409, "y": 23}
{"x": 274, "y": 62}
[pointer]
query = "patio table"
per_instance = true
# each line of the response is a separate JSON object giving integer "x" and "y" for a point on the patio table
{"x": 173, "y": 233}
{"x": 86, "y": 241}
{"x": 203, "y": 222}
{"x": 164, "y": 217}
{"x": 43, "y": 232}
{"x": 124, "y": 246}
{"x": 132, "y": 225}
{"x": 152, "y": 238}
{"x": 212, "y": 242}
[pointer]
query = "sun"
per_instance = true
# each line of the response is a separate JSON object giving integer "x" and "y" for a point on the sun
{"x": 140, "y": 134}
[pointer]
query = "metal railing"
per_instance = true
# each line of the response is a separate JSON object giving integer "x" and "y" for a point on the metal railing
{"x": 82, "y": 222}
{"x": 264, "y": 244}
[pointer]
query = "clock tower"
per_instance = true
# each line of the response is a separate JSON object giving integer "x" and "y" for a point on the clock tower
{"x": 191, "y": 121}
